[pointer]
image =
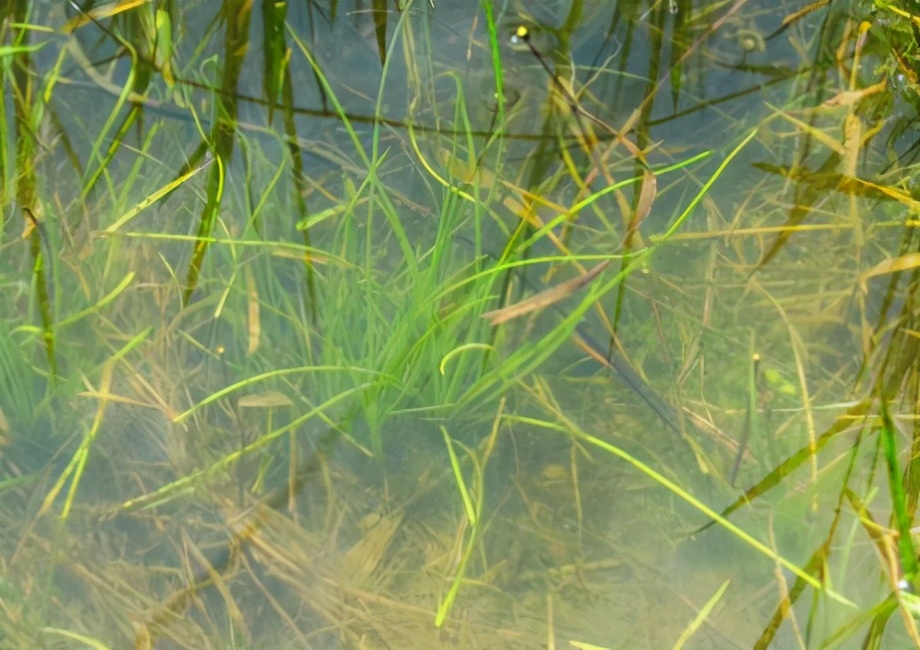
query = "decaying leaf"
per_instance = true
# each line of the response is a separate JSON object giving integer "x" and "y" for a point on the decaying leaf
{"x": 544, "y": 298}
{"x": 891, "y": 265}
{"x": 254, "y": 321}
{"x": 850, "y": 97}
{"x": 267, "y": 399}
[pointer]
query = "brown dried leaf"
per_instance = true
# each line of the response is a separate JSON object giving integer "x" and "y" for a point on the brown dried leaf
{"x": 819, "y": 135}
{"x": 544, "y": 298}
{"x": 852, "y": 139}
{"x": 254, "y": 321}
{"x": 866, "y": 188}
{"x": 850, "y": 97}
{"x": 4, "y": 430}
{"x": 647, "y": 193}
{"x": 891, "y": 265}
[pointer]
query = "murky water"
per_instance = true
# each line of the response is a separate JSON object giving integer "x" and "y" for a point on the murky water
{"x": 272, "y": 414}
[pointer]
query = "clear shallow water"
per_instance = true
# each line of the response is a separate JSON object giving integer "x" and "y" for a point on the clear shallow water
{"x": 575, "y": 545}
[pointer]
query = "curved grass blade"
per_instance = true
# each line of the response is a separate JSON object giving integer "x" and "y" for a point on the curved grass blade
{"x": 572, "y": 429}
{"x": 249, "y": 382}
{"x": 88, "y": 641}
{"x": 473, "y": 511}
{"x": 109, "y": 297}
{"x": 189, "y": 481}
{"x": 458, "y": 477}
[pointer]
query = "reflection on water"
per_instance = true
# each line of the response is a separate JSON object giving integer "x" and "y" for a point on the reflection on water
{"x": 277, "y": 417}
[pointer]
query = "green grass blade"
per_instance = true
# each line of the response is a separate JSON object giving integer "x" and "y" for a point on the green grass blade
{"x": 902, "y": 519}
{"x": 458, "y": 478}
{"x": 694, "y": 502}
{"x": 189, "y": 481}
{"x": 380, "y": 13}
{"x": 701, "y": 617}
{"x": 796, "y": 460}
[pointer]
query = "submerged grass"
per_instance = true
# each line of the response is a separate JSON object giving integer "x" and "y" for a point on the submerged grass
{"x": 315, "y": 394}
